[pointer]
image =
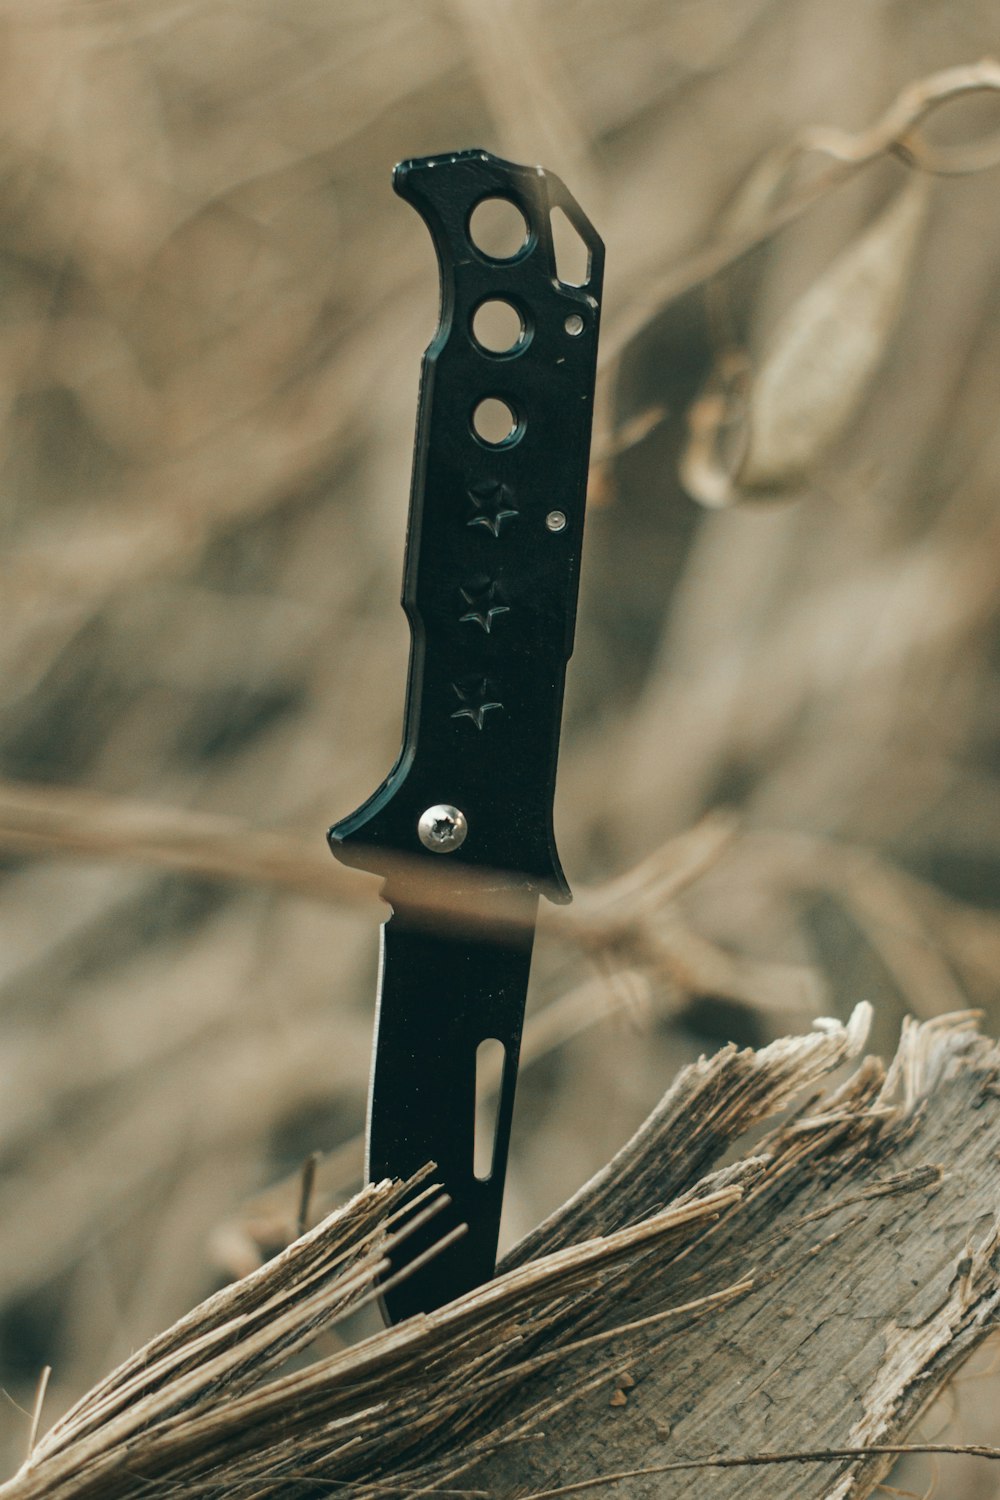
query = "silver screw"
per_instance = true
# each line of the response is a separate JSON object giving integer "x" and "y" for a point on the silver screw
{"x": 574, "y": 325}
{"x": 442, "y": 828}
{"x": 556, "y": 520}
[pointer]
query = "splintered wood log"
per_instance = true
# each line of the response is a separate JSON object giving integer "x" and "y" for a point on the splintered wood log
{"x": 775, "y": 1316}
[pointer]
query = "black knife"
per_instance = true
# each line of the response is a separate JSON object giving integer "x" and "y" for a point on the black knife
{"x": 490, "y": 588}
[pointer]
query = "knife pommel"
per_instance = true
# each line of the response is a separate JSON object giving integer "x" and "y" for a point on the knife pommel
{"x": 496, "y": 527}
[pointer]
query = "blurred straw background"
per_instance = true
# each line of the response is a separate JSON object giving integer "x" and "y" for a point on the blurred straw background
{"x": 779, "y": 785}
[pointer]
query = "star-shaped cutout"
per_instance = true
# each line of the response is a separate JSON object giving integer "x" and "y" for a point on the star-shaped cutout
{"x": 474, "y": 694}
{"x": 494, "y": 502}
{"x": 484, "y": 603}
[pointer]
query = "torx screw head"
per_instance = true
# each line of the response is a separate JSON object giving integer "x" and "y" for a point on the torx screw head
{"x": 442, "y": 828}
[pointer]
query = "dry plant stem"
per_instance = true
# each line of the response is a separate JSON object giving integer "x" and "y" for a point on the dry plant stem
{"x": 921, "y": 934}
{"x": 36, "y": 1410}
{"x": 50, "y": 820}
{"x": 798, "y": 1306}
{"x": 55, "y": 820}
{"x": 617, "y": 917}
{"x": 897, "y": 131}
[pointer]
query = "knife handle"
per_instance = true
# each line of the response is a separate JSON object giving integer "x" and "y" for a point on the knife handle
{"x": 495, "y": 534}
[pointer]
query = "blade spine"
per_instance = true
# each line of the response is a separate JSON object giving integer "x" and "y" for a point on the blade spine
{"x": 379, "y": 983}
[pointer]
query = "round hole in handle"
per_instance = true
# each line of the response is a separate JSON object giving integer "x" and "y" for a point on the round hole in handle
{"x": 498, "y": 327}
{"x": 494, "y": 423}
{"x": 498, "y": 228}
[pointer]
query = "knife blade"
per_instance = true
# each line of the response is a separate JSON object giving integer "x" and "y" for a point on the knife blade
{"x": 490, "y": 591}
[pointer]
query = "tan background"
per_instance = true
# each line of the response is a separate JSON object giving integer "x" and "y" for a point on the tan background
{"x": 212, "y": 310}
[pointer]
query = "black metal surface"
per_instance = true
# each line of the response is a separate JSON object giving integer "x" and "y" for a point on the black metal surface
{"x": 490, "y": 588}
{"x": 440, "y": 997}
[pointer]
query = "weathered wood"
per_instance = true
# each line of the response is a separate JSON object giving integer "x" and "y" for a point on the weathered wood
{"x": 871, "y": 1235}
{"x": 810, "y": 1294}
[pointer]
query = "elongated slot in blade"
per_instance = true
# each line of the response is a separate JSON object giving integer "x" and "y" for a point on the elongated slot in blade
{"x": 491, "y": 1059}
